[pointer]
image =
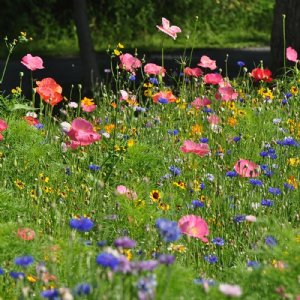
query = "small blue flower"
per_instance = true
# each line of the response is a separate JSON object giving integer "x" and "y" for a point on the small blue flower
{"x": 207, "y": 110}
{"x": 267, "y": 202}
{"x": 253, "y": 264}
{"x": 163, "y": 100}
{"x": 16, "y": 275}
{"x": 166, "y": 259}
{"x": 83, "y": 224}
{"x": 83, "y": 289}
{"x": 39, "y": 126}
{"x": 101, "y": 243}
{"x": 289, "y": 187}
{"x": 288, "y": 95}
{"x": 239, "y": 218}
{"x": 255, "y": 182}
{"x": 231, "y": 174}
{"x": 287, "y": 141}
{"x": 218, "y": 241}
{"x": 168, "y": 230}
{"x": 274, "y": 191}
{"x": 107, "y": 260}
{"x": 1, "y": 271}
{"x": 175, "y": 170}
{"x": 212, "y": 259}
{"x": 173, "y": 132}
{"x": 94, "y": 168}
{"x": 197, "y": 204}
{"x": 270, "y": 241}
{"x": 153, "y": 80}
{"x": 50, "y": 294}
{"x": 236, "y": 139}
{"x": 204, "y": 140}
{"x": 202, "y": 186}
{"x": 240, "y": 63}
{"x": 24, "y": 261}
{"x": 132, "y": 77}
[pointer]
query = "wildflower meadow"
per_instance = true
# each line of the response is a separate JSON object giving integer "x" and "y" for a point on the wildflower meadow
{"x": 167, "y": 184}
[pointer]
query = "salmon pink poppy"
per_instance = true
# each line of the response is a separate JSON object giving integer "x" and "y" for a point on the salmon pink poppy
{"x": 129, "y": 62}
{"x": 291, "y": 54}
{"x": 81, "y": 133}
{"x": 227, "y": 93}
{"x": 212, "y": 78}
{"x": 26, "y": 234}
{"x": 163, "y": 97}
{"x": 213, "y": 119}
{"x": 206, "y": 62}
{"x": 49, "y": 91}
{"x": 32, "y": 62}
{"x": 194, "y": 226}
{"x": 193, "y": 72}
{"x": 201, "y": 149}
{"x": 123, "y": 190}
{"x": 169, "y": 30}
{"x": 153, "y": 69}
{"x": 260, "y": 74}
{"x": 3, "y": 126}
{"x": 246, "y": 168}
{"x": 200, "y": 102}
{"x": 32, "y": 121}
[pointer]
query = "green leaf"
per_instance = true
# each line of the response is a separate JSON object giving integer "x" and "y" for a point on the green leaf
{"x": 23, "y": 106}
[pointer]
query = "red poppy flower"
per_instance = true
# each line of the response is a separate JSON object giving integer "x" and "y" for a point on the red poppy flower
{"x": 26, "y": 234}
{"x": 49, "y": 91}
{"x": 260, "y": 74}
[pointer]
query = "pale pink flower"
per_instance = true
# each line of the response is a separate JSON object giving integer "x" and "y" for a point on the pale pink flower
{"x": 153, "y": 69}
{"x": 250, "y": 218}
{"x": 124, "y": 95}
{"x": 81, "y": 133}
{"x": 230, "y": 290}
{"x": 206, "y": 62}
{"x": 200, "y": 102}
{"x": 32, "y": 62}
{"x": 194, "y": 72}
{"x": 291, "y": 54}
{"x": 194, "y": 226}
{"x": 123, "y": 190}
{"x": 89, "y": 108}
{"x": 201, "y": 149}
{"x": 129, "y": 62}
{"x": 227, "y": 93}
{"x": 246, "y": 168}
{"x": 213, "y": 119}
{"x": 169, "y": 30}
{"x": 73, "y": 104}
{"x": 212, "y": 78}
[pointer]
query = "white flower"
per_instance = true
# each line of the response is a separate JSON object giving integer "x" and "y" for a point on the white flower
{"x": 106, "y": 134}
{"x": 230, "y": 290}
{"x": 65, "y": 126}
{"x": 31, "y": 114}
{"x": 73, "y": 105}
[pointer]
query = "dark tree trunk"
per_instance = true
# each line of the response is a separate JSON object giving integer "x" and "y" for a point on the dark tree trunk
{"x": 291, "y": 9}
{"x": 87, "y": 54}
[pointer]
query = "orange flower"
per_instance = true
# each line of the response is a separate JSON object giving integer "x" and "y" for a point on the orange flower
{"x": 49, "y": 91}
{"x": 26, "y": 234}
{"x": 164, "y": 97}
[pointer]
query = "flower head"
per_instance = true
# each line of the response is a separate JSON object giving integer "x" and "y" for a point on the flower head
{"x": 246, "y": 168}
{"x": 230, "y": 290}
{"x": 291, "y": 54}
{"x": 107, "y": 260}
{"x": 168, "y": 230}
{"x": 129, "y": 63}
{"x": 169, "y": 30}
{"x": 24, "y": 261}
{"x": 260, "y": 74}
{"x": 206, "y": 62}
{"x": 32, "y": 62}
{"x": 49, "y": 90}
{"x": 201, "y": 149}
{"x": 153, "y": 69}
{"x": 83, "y": 224}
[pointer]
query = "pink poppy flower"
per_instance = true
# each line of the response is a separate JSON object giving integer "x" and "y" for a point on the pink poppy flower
{"x": 3, "y": 126}
{"x": 153, "y": 69}
{"x": 169, "y": 30}
{"x": 200, "y": 102}
{"x": 89, "y": 108}
{"x": 124, "y": 95}
{"x": 246, "y": 168}
{"x": 291, "y": 54}
{"x": 166, "y": 95}
{"x": 49, "y": 91}
{"x": 212, "y": 78}
{"x": 206, "y": 62}
{"x": 129, "y": 62}
{"x": 213, "y": 119}
{"x": 194, "y": 226}
{"x": 250, "y": 218}
{"x": 32, "y": 62}
{"x": 193, "y": 72}
{"x": 227, "y": 93}
{"x": 123, "y": 190}
{"x": 201, "y": 149}
{"x": 26, "y": 234}
{"x": 230, "y": 290}
{"x": 81, "y": 133}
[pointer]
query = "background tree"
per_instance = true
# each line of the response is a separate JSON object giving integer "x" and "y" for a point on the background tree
{"x": 291, "y": 9}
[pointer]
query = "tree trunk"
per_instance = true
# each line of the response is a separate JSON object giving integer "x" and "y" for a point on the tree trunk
{"x": 291, "y": 9}
{"x": 87, "y": 54}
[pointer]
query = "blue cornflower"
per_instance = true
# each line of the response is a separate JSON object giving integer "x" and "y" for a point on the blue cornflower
{"x": 50, "y": 294}
{"x": 16, "y": 275}
{"x": 274, "y": 191}
{"x": 231, "y": 174}
{"x": 166, "y": 259}
{"x": 173, "y": 132}
{"x": 83, "y": 289}
{"x": 153, "y": 80}
{"x": 132, "y": 77}
{"x": 94, "y": 168}
{"x": 139, "y": 109}
{"x": 39, "y": 126}
{"x": 101, "y": 243}
{"x": 24, "y": 261}
{"x": 83, "y": 224}
{"x": 168, "y": 230}
{"x": 240, "y": 63}
{"x": 284, "y": 101}
{"x": 287, "y": 141}
{"x": 1, "y": 271}
{"x": 255, "y": 182}
{"x": 107, "y": 260}
{"x": 175, "y": 170}
{"x": 163, "y": 100}
{"x": 289, "y": 187}
{"x": 253, "y": 264}
{"x": 218, "y": 241}
{"x": 125, "y": 242}
{"x": 236, "y": 139}
{"x": 288, "y": 95}
{"x": 239, "y": 218}
{"x": 197, "y": 204}
{"x": 267, "y": 202}
{"x": 202, "y": 186}
{"x": 270, "y": 241}
{"x": 212, "y": 259}
{"x": 204, "y": 140}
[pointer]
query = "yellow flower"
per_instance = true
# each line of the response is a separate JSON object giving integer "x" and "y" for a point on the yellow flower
{"x": 139, "y": 203}
{"x": 117, "y": 148}
{"x": 163, "y": 206}
{"x": 117, "y": 52}
{"x": 127, "y": 253}
{"x": 43, "y": 177}
{"x": 155, "y": 195}
{"x": 87, "y": 101}
{"x": 148, "y": 93}
{"x": 232, "y": 121}
{"x": 177, "y": 248}
{"x": 147, "y": 85}
{"x": 31, "y": 278}
{"x": 130, "y": 143}
{"x": 294, "y": 161}
{"x": 19, "y": 184}
{"x": 121, "y": 46}
{"x": 268, "y": 94}
{"x": 294, "y": 90}
{"x": 109, "y": 128}
{"x": 292, "y": 181}
{"x": 241, "y": 112}
{"x": 197, "y": 129}
{"x": 180, "y": 184}
{"x": 33, "y": 194}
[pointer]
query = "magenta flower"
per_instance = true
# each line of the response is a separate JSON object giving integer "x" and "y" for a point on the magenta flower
{"x": 32, "y": 62}
{"x": 206, "y": 62}
{"x": 169, "y": 30}
{"x": 201, "y": 149}
{"x": 88, "y": 108}
{"x": 200, "y": 102}
{"x": 291, "y": 54}
{"x": 246, "y": 168}
{"x": 3, "y": 126}
{"x": 213, "y": 119}
{"x": 129, "y": 63}
{"x": 153, "y": 69}
{"x": 193, "y": 72}
{"x": 212, "y": 78}
{"x": 194, "y": 226}
{"x": 227, "y": 93}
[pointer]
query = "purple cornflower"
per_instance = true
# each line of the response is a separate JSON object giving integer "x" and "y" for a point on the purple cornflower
{"x": 24, "y": 261}
{"x": 146, "y": 265}
{"x": 218, "y": 241}
{"x": 166, "y": 259}
{"x": 175, "y": 170}
{"x": 168, "y": 230}
{"x": 16, "y": 275}
{"x": 267, "y": 202}
{"x": 1, "y": 271}
{"x": 274, "y": 191}
{"x": 173, "y": 132}
{"x": 94, "y": 168}
{"x": 255, "y": 182}
{"x": 197, "y": 204}
{"x": 83, "y": 224}
{"x": 132, "y": 77}
{"x": 146, "y": 287}
{"x": 212, "y": 259}
{"x": 252, "y": 264}
{"x": 107, "y": 260}
{"x": 125, "y": 242}
{"x": 240, "y": 63}
{"x": 50, "y": 294}
{"x": 163, "y": 100}
{"x": 239, "y": 218}
{"x": 236, "y": 139}
{"x": 289, "y": 187}
{"x": 153, "y": 80}
{"x": 231, "y": 174}
{"x": 204, "y": 140}
{"x": 270, "y": 241}
{"x": 83, "y": 289}
{"x": 287, "y": 141}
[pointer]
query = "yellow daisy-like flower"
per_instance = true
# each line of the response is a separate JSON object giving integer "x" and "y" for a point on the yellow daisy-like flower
{"x": 292, "y": 181}
{"x": 197, "y": 129}
{"x": 294, "y": 90}
{"x": 177, "y": 248}
{"x": 294, "y": 161}
{"x": 31, "y": 278}
{"x": 148, "y": 93}
{"x": 163, "y": 206}
{"x": 155, "y": 195}
{"x": 139, "y": 203}
{"x": 232, "y": 121}
{"x": 127, "y": 253}
{"x": 130, "y": 143}
{"x": 43, "y": 177}
{"x": 117, "y": 52}
{"x": 87, "y": 101}
{"x": 19, "y": 184}
{"x": 180, "y": 184}
{"x": 33, "y": 194}
{"x": 109, "y": 128}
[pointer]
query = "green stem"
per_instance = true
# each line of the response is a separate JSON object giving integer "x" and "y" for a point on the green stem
{"x": 5, "y": 65}
{"x": 284, "y": 43}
